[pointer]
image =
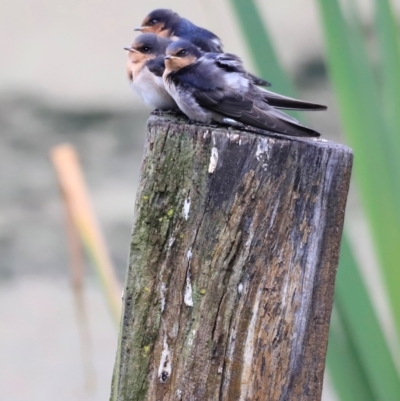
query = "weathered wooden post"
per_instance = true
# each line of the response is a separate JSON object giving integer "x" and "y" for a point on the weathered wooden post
{"x": 232, "y": 266}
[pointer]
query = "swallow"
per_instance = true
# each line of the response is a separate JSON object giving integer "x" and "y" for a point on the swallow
{"x": 145, "y": 68}
{"x": 169, "y": 24}
{"x": 216, "y": 87}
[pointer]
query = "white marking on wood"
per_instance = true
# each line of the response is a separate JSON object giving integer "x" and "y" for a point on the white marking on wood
{"x": 249, "y": 352}
{"x": 284, "y": 292}
{"x": 191, "y": 338}
{"x": 162, "y": 294}
{"x": 213, "y": 160}
{"x": 165, "y": 368}
{"x": 188, "y": 292}
{"x": 262, "y": 148}
{"x": 187, "y": 298}
{"x": 186, "y": 208}
{"x": 240, "y": 288}
{"x": 171, "y": 242}
{"x": 273, "y": 216}
{"x": 309, "y": 271}
{"x": 175, "y": 330}
{"x": 233, "y": 137}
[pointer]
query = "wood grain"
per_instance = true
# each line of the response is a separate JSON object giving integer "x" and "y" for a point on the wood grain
{"x": 232, "y": 265}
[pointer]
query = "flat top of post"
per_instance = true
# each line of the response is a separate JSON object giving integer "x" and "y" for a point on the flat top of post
{"x": 158, "y": 117}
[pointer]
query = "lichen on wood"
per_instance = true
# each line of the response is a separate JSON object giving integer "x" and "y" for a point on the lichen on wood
{"x": 232, "y": 265}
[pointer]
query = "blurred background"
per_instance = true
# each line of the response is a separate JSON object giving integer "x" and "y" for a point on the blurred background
{"x": 62, "y": 79}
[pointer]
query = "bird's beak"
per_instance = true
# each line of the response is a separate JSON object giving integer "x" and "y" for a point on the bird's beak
{"x": 130, "y": 49}
{"x": 168, "y": 57}
{"x": 138, "y": 28}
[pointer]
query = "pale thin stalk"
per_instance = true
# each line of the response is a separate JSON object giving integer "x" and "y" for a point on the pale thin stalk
{"x": 77, "y": 274}
{"x": 71, "y": 180}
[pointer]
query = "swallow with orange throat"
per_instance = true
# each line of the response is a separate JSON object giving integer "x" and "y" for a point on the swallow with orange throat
{"x": 145, "y": 67}
{"x": 169, "y": 24}
{"x": 216, "y": 87}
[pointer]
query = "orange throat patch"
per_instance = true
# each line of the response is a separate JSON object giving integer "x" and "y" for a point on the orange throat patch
{"x": 176, "y": 63}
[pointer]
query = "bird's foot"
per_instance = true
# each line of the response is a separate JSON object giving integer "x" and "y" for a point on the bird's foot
{"x": 172, "y": 112}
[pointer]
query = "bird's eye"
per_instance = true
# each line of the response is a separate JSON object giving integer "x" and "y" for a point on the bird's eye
{"x": 182, "y": 52}
{"x": 145, "y": 49}
{"x": 153, "y": 21}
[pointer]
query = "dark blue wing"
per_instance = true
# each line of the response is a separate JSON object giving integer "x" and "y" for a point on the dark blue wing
{"x": 202, "y": 38}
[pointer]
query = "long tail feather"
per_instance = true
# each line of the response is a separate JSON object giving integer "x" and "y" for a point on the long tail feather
{"x": 288, "y": 103}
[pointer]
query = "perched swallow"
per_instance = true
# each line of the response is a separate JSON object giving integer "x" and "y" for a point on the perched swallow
{"x": 169, "y": 24}
{"x": 216, "y": 87}
{"x": 145, "y": 68}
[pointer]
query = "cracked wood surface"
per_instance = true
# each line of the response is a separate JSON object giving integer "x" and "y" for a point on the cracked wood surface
{"x": 232, "y": 265}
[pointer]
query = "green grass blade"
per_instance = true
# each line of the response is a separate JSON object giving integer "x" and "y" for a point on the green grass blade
{"x": 346, "y": 370}
{"x": 360, "y": 321}
{"x": 261, "y": 48}
{"x": 388, "y": 35}
{"x": 365, "y": 130}
{"x": 386, "y": 137}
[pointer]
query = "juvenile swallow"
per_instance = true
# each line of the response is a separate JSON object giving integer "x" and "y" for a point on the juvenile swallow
{"x": 145, "y": 68}
{"x": 169, "y": 24}
{"x": 216, "y": 87}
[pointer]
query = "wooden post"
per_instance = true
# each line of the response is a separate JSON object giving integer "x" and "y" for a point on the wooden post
{"x": 232, "y": 266}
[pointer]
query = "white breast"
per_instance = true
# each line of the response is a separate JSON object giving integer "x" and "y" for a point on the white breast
{"x": 150, "y": 89}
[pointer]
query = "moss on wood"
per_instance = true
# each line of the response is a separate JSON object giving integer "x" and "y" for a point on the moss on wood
{"x": 232, "y": 264}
